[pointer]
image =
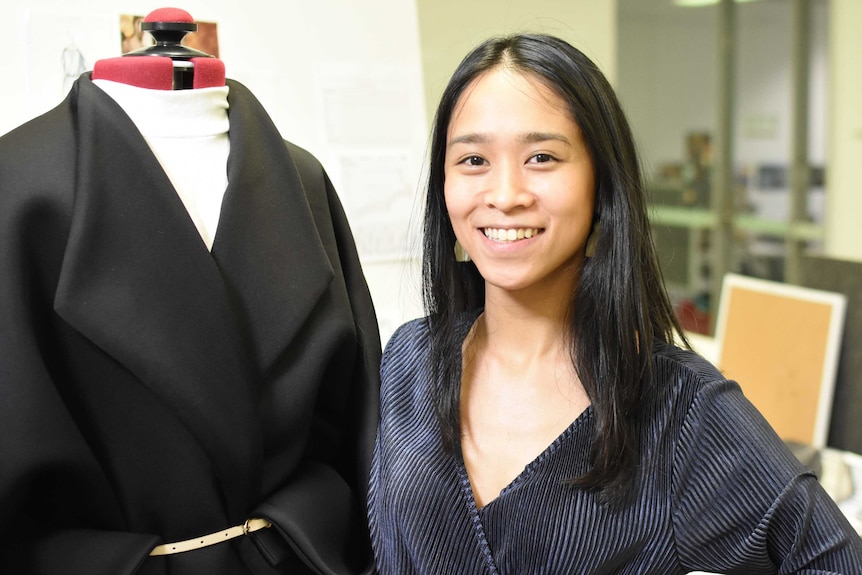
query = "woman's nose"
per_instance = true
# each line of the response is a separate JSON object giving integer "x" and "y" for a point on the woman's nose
{"x": 508, "y": 189}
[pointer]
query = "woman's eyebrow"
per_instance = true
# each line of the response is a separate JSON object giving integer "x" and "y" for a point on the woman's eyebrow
{"x": 474, "y": 138}
{"x": 535, "y": 137}
{"x": 527, "y": 138}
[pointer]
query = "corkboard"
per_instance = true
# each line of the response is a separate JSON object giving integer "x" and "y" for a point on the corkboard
{"x": 781, "y": 344}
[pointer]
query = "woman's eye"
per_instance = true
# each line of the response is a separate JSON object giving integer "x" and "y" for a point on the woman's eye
{"x": 474, "y": 161}
{"x": 542, "y": 158}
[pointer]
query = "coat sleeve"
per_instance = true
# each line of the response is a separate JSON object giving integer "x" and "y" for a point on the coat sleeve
{"x": 744, "y": 504}
{"x": 47, "y": 468}
{"x": 321, "y": 511}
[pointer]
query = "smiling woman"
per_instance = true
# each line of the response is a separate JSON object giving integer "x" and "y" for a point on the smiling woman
{"x": 540, "y": 418}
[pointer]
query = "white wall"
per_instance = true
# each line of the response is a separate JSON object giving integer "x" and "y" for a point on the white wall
{"x": 844, "y": 181}
{"x": 450, "y": 28}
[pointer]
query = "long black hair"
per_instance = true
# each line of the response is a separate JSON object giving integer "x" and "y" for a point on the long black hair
{"x": 620, "y": 305}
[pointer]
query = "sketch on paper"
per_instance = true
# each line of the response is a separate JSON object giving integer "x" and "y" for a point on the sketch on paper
{"x": 372, "y": 123}
{"x": 58, "y": 47}
{"x": 74, "y": 64}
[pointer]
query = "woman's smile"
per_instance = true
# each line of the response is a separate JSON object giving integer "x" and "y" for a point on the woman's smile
{"x": 511, "y": 234}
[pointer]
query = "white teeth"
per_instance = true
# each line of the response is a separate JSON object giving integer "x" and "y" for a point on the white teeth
{"x": 510, "y": 234}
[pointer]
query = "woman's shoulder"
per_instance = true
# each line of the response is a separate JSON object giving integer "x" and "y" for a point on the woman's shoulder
{"x": 684, "y": 366}
{"x": 405, "y": 369}
{"x": 405, "y": 356}
{"x": 413, "y": 333}
{"x": 407, "y": 346}
{"x": 411, "y": 342}
{"x": 682, "y": 377}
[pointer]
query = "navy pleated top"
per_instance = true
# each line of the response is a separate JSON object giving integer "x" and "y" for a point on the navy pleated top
{"x": 716, "y": 490}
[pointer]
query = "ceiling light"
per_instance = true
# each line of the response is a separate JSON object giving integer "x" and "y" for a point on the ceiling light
{"x": 691, "y": 3}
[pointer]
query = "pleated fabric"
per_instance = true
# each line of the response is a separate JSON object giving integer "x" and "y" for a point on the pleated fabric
{"x": 716, "y": 489}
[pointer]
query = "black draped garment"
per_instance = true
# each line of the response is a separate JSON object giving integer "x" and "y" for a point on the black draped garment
{"x": 152, "y": 391}
{"x": 716, "y": 490}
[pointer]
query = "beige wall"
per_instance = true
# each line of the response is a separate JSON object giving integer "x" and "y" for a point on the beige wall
{"x": 448, "y": 29}
{"x": 844, "y": 174}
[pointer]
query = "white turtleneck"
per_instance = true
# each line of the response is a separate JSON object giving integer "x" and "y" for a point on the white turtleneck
{"x": 187, "y": 130}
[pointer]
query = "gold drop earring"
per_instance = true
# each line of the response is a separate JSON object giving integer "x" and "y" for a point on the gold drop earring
{"x": 460, "y": 254}
{"x": 592, "y": 240}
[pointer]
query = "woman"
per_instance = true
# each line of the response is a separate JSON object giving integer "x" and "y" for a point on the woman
{"x": 539, "y": 419}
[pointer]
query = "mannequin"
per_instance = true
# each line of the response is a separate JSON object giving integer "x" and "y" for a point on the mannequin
{"x": 189, "y": 355}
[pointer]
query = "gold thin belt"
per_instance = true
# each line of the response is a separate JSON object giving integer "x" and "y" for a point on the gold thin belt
{"x": 250, "y": 526}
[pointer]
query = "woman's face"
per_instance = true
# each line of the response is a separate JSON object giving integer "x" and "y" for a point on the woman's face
{"x": 519, "y": 183}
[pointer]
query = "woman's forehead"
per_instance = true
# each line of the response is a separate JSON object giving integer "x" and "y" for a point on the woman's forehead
{"x": 506, "y": 97}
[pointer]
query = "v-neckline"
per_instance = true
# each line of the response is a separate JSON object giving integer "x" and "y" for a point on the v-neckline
{"x": 476, "y": 512}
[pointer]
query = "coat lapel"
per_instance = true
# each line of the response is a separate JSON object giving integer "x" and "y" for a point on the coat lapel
{"x": 267, "y": 245}
{"x": 139, "y": 283}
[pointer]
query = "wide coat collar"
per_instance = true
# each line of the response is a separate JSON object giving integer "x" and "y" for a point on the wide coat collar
{"x": 201, "y": 330}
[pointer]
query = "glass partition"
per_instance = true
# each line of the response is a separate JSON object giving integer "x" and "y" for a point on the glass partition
{"x": 727, "y": 100}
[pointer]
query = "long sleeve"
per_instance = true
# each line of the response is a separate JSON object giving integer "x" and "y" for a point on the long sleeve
{"x": 322, "y": 507}
{"x": 743, "y": 504}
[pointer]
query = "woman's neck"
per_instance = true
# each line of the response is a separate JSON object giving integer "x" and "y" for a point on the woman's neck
{"x": 526, "y": 321}
{"x": 519, "y": 337}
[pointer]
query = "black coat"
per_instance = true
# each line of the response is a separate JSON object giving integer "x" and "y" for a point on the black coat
{"x": 152, "y": 391}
